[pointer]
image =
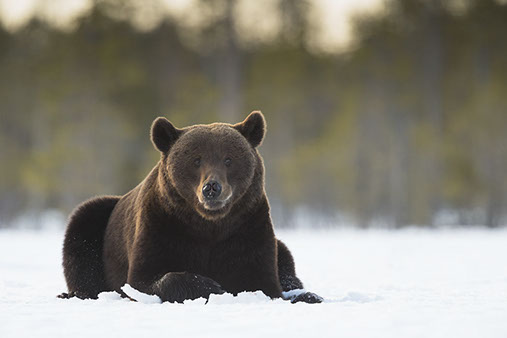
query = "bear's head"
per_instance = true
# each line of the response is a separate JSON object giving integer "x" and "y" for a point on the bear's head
{"x": 211, "y": 167}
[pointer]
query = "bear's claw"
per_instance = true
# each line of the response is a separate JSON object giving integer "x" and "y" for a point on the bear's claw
{"x": 307, "y": 297}
{"x": 80, "y": 295}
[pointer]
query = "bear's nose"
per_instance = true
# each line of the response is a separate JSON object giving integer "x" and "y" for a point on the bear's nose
{"x": 211, "y": 190}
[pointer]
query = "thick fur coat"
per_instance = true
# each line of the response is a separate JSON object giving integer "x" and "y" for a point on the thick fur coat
{"x": 198, "y": 224}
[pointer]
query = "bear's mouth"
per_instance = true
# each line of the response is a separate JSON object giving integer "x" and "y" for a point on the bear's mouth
{"x": 214, "y": 204}
{"x": 214, "y": 209}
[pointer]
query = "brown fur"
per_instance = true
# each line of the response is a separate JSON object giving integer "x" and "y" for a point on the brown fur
{"x": 165, "y": 238}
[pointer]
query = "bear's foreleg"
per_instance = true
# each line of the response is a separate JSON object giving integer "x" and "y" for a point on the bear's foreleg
{"x": 286, "y": 269}
{"x": 288, "y": 279}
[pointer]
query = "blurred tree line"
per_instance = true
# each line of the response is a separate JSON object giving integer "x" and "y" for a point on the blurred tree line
{"x": 406, "y": 127}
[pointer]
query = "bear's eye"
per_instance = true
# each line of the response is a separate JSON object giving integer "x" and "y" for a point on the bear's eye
{"x": 227, "y": 162}
{"x": 197, "y": 162}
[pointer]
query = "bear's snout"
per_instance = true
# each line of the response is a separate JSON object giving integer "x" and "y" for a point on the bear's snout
{"x": 211, "y": 190}
{"x": 213, "y": 193}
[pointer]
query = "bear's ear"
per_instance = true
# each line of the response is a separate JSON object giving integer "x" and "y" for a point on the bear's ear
{"x": 164, "y": 134}
{"x": 252, "y": 128}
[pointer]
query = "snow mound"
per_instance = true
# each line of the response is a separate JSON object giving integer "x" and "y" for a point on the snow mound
{"x": 109, "y": 296}
{"x": 226, "y": 298}
{"x": 242, "y": 298}
{"x": 292, "y": 293}
{"x": 139, "y": 296}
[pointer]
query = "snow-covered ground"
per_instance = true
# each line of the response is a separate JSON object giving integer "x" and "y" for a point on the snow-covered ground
{"x": 409, "y": 283}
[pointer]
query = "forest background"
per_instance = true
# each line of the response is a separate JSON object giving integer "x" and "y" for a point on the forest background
{"x": 405, "y": 124}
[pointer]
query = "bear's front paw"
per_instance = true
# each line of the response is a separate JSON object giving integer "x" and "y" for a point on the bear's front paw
{"x": 80, "y": 295}
{"x": 205, "y": 286}
{"x": 307, "y": 297}
{"x": 178, "y": 286}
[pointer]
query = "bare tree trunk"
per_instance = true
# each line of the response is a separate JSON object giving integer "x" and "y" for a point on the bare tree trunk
{"x": 432, "y": 77}
{"x": 229, "y": 71}
{"x": 399, "y": 183}
{"x": 494, "y": 198}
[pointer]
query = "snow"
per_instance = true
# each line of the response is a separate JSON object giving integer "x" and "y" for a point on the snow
{"x": 139, "y": 296}
{"x": 376, "y": 283}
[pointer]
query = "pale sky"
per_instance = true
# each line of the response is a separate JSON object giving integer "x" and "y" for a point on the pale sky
{"x": 331, "y": 17}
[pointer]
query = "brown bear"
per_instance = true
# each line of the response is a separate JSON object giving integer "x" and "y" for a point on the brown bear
{"x": 198, "y": 224}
